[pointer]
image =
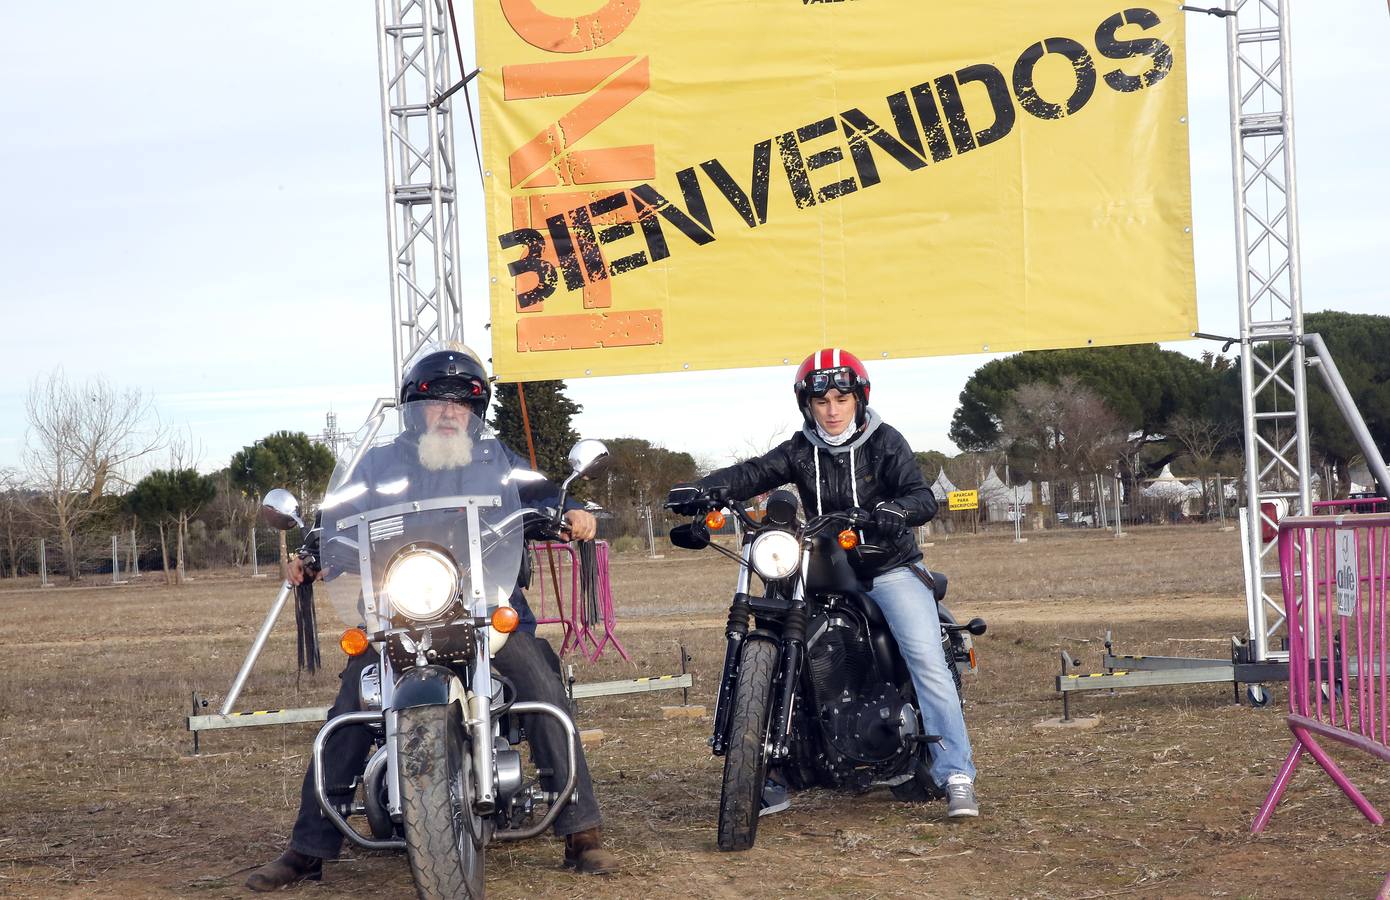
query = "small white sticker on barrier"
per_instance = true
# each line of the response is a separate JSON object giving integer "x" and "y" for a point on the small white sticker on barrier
{"x": 1348, "y": 578}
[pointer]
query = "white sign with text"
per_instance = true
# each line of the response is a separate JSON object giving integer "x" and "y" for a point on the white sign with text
{"x": 1348, "y": 578}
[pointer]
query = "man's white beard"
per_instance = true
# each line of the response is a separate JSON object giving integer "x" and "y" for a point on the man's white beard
{"x": 445, "y": 451}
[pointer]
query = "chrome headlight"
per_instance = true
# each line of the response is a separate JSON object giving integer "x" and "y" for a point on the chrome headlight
{"x": 420, "y": 583}
{"x": 775, "y": 554}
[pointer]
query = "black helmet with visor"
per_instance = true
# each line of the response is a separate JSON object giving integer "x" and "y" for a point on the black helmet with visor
{"x": 449, "y": 373}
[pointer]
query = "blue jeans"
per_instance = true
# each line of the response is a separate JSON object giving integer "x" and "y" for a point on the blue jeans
{"x": 910, "y": 609}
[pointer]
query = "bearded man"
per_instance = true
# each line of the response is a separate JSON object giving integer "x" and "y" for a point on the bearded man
{"x": 444, "y": 446}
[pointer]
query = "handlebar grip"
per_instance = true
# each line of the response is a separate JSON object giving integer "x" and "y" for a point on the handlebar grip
{"x": 310, "y": 561}
{"x": 686, "y": 499}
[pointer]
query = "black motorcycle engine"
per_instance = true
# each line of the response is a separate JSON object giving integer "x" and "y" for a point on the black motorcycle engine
{"x": 871, "y": 729}
{"x": 838, "y": 658}
{"x": 863, "y": 717}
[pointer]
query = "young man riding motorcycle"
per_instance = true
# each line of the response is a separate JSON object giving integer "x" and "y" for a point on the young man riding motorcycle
{"x": 846, "y": 457}
{"x": 436, "y": 450}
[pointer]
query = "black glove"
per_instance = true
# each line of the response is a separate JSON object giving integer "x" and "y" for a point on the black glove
{"x": 857, "y": 517}
{"x": 890, "y": 519}
{"x": 686, "y": 500}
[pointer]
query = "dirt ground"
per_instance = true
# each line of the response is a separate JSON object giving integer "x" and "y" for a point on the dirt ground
{"x": 1155, "y": 800}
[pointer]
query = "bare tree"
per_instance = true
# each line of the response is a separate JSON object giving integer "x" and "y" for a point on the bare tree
{"x": 1065, "y": 429}
{"x": 11, "y": 513}
{"x": 82, "y": 438}
{"x": 1062, "y": 432}
{"x": 1201, "y": 439}
{"x": 752, "y": 448}
{"x": 235, "y": 512}
{"x": 185, "y": 452}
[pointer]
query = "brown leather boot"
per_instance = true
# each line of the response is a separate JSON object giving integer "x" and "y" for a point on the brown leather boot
{"x": 585, "y": 854}
{"x": 290, "y": 868}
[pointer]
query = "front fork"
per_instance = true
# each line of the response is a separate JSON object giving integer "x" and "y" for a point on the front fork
{"x": 792, "y": 643}
{"x": 734, "y": 633}
{"x": 793, "y": 647}
{"x": 479, "y": 724}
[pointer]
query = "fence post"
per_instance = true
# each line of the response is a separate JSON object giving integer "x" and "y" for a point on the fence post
{"x": 651, "y": 532}
{"x": 1119, "y": 490}
{"x": 255, "y": 556}
{"x": 43, "y": 564}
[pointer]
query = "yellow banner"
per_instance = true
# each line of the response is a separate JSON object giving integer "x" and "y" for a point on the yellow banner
{"x": 957, "y": 500}
{"x": 716, "y": 183}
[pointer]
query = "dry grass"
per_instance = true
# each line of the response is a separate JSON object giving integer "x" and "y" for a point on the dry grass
{"x": 1154, "y": 801}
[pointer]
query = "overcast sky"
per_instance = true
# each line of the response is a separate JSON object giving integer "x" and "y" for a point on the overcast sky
{"x": 194, "y": 207}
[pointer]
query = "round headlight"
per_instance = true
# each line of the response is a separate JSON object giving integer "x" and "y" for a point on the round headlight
{"x": 775, "y": 554}
{"x": 420, "y": 583}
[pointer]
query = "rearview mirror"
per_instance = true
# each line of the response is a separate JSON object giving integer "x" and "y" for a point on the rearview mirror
{"x": 589, "y": 458}
{"x": 280, "y": 510}
{"x": 690, "y": 536}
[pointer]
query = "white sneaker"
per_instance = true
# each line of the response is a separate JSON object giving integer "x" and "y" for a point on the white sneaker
{"x": 960, "y": 797}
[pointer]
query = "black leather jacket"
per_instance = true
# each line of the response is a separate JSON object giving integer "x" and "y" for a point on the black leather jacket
{"x": 883, "y": 469}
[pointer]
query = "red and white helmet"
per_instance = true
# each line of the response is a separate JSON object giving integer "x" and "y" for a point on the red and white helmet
{"x": 832, "y": 368}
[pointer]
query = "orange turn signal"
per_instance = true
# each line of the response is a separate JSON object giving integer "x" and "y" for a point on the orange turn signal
{"x": 505, "y": 619}
{"x": 714, "y": 519}
{"x": 973, "y": 663}
{"x": 848, "y": 539}
{"x": 354, "y": 642}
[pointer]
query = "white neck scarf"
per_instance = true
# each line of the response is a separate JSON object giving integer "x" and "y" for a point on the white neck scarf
{"x": 835, "y": 440}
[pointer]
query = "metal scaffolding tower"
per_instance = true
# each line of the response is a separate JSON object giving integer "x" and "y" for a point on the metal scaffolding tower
{"x": 417, "y": 127}
{"x": 1272, "y": 359}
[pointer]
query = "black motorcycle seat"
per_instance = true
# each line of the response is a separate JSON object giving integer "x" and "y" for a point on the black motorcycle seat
{"x": 939, "y": 585}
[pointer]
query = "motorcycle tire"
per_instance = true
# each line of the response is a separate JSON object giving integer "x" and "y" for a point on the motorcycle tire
{"x": 444, "y": 837}
{"x": 745, "y": 760}
{"x": 921, "y": 788}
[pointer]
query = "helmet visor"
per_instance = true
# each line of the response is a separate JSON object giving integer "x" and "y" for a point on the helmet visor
{"x": 452, "y": 388}
{"x": 842, "y": 379}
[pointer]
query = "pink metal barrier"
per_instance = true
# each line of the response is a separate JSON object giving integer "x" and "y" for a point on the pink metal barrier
{"x": 1348, "y": 504}
{"x": 1336, "y": 575}
{"x": 581, "y": 620}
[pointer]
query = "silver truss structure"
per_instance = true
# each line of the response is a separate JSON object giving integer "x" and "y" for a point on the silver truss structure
{"x": 415, "y": 49}
{"x": 1273, "y": 368}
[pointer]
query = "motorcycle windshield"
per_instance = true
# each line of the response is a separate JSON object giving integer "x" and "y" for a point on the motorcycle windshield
{"x": 422, "y": 522}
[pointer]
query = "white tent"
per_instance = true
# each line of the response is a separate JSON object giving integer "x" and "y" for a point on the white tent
{"x": 997, "y": 496}
{"x": 1361, "y": 479}
{"x": 942, "y": 486}
{"x": 1170, "y": 489}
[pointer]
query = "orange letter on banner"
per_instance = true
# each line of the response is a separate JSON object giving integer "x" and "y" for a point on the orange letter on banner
{"x": 560, "y": 79}
{"x": 569, "y": 34}
{"x": 533, "y": 211}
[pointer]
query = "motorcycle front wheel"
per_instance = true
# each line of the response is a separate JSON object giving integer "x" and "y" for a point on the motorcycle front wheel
{"x": 745, "y": 760}
{"x": 444, "y": 837}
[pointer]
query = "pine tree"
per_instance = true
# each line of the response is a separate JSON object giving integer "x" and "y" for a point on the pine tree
{"x": 550, "y": 413}
{"x": 1357, "y": 343}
